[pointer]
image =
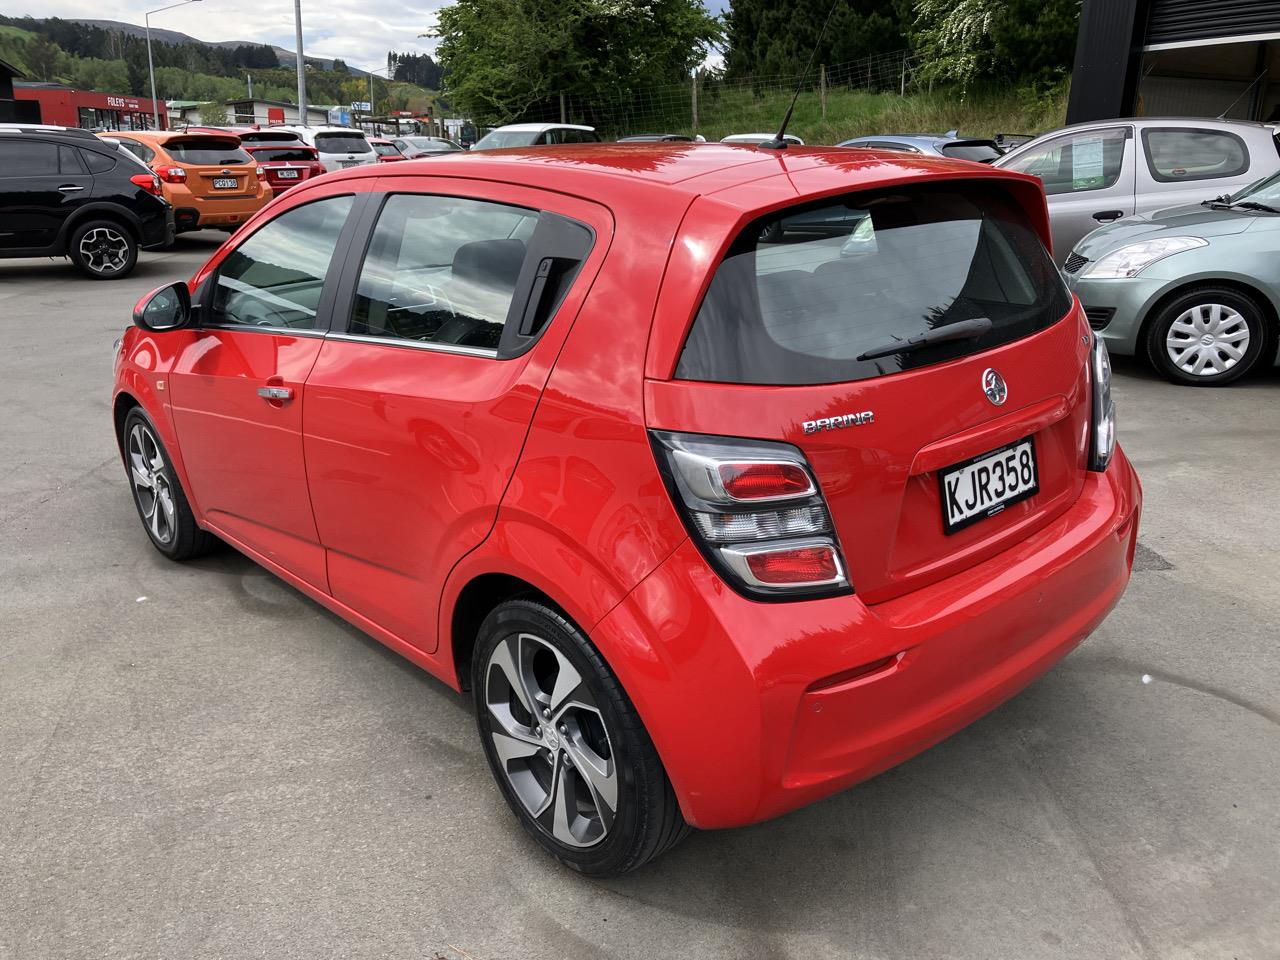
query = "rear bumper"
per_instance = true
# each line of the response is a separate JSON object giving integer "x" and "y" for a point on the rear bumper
{"x": 157, "y": 231}
{"x": 739, "y": 699}
{"x": 195, "y": 213}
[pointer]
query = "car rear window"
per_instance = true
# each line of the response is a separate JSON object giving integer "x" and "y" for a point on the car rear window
{"x": 1175, "y": 155}
{"x": 341, "y": 143}
{"x": 207, "y": 150}
{"x": 981, "y": 152}
{"x": 385, "y": 150}
{"x": 294, "y": 154}
{"x": 801, "y": 294}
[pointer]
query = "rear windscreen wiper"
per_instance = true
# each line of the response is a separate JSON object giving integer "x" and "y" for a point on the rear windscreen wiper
{"x": 962, "y": 330}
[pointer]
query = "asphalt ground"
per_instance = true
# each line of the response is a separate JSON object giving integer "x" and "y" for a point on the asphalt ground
{"x": 197, "y": 761}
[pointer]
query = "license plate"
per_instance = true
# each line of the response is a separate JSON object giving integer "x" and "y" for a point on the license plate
{"x": 982, "y": 487}
{"x": 225, "y": 183}
{"x": 287, "y": 174}
{"x": 349, "y": 163}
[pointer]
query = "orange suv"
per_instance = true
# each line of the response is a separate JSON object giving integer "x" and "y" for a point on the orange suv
{"x": 208, "y": 178}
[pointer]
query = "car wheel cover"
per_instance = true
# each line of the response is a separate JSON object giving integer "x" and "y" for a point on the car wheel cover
{"x": 104, "y": 250}
{"x": 1207, "y": 339}
{"x": 151, "y": 487}
{"x": 550, "y": 740}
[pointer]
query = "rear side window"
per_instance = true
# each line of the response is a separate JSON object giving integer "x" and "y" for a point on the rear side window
{"x": 341, "y": 143}
{"x": 1175, "y": 155}
{"x": 980, "y": 152}
{"x": 284, "y": 154}
{"x": 801, "y": 295}
{"x": 69, "y": 161}
{"x": 211, "y": 151}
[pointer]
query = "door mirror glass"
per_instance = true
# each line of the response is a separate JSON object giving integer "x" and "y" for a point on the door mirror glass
{"x": 168, "y": 308}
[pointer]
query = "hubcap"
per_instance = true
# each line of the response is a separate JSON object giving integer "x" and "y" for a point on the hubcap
{"x": 550, "y": 739}
{"x": 1208, "y": 339}
{"x": 104, "y": 250}
{"x": 150, "y": 486}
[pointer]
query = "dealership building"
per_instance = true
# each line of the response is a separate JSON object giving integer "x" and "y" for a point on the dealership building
{"x": 66, "y": 107}
{"x": 1177, "y": 58}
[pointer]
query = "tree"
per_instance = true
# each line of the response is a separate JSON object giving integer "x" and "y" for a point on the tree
{"x": 506, "y": 57}
{"x": 768, "y": 38}
{"x": 43, "y": 57}
{"x": 968, "y": 40}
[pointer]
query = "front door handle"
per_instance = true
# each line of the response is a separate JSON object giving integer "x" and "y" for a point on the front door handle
{"x": 275, "y": 393}
{"x": 1106, "y": 216}
{"x": 70, "y": 188}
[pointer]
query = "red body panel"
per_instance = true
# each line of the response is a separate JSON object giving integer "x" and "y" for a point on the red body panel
{"x": 398, "y": 475}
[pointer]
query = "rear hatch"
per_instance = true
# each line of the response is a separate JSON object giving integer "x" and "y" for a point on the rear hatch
{"x": 343, "y": 148}
{"x": 932, "y": 457}
{"x": 287, "y": 164}
{"x": 215, "y": 166}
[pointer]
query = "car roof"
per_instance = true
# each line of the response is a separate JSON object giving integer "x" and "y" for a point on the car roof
{"x": 599, "y": 171}
{"x": 540, "y": 127}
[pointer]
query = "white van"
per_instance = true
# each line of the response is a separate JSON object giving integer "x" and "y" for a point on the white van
{"x": 339, "y": 147}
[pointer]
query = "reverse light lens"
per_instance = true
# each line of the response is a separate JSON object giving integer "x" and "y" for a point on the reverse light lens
{"x": 1131, "y": 259}
{"x": 1103, "y": 434}
{"x": 766, "y": 525}
{"x": 764, "y": 481}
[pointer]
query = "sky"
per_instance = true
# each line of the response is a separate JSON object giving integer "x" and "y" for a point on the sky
{"x": 358, "y": 31}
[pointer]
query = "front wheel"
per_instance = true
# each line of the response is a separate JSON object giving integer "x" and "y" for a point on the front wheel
{"x": 1209, "y": 337}
{"x": 103, "y": 250}
{"x": 567, "y": 748}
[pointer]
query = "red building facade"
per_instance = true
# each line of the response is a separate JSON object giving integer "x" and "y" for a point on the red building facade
{"x": 66, "y": 107}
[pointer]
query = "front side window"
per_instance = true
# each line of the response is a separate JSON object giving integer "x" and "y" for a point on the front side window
{"x": 1086, "y": 161}
{"x": 802, "y": 296}
{"x": 275, "y": 278}
{"x": 1174, "y": 155}
{"x": 442, "y": 270}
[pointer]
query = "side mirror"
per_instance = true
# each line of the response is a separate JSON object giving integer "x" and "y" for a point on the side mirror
{"x": 166, "y": 308}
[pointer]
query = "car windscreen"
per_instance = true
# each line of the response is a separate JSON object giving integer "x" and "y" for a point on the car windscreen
{"x": 975, "y": 150}
{"x": 290, "y": 154}
{"x": 341, "y": 143}
{"x": 207, "y": 150}
{"x": 801, "y": 295}
{"x": 506, "y": 138}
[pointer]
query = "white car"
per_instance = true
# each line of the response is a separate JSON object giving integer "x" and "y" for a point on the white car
{"x": 759, "y": 138}
{"x": 339, "y": 147}
{"x": 536, "y": 134}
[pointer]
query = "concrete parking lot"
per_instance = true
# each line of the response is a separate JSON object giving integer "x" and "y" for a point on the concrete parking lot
{"x": 196, "y": 761}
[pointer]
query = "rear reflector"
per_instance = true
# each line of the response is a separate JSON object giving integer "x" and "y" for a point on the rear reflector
{"x": 856, "y": 673}
{"x": 765, "y": 481}
{"x": 803, "y": 565}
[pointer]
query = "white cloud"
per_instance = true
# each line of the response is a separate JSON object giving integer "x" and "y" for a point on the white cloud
{"x": 359, "y": 31}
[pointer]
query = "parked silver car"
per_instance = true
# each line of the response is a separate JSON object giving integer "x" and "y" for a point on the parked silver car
{"x": 1096, "y": 173}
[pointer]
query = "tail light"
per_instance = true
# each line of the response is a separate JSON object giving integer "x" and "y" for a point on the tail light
{"x": 1102, "y": 441}
{"x": 261, "y": 173}
{"x": 148, "y": 182}
{"x": 755, "y": 511}
{"x": 172, "y": 174}
{"x": 317, "y": 168}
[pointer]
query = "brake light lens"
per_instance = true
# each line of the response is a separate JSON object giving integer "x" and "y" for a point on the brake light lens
{"x": 172, "y": 174}
{"x": 148, "y": 182}
{"x": 1102, "y": 443}
{"x": 755, "y": 510}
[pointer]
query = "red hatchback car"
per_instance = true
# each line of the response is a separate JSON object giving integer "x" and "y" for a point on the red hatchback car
{"x": 285, "y": 164}
{"x": 723, "y": 478}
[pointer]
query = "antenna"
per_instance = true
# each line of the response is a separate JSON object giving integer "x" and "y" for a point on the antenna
{"x": 1223, "y": 114}
{"x": 779, "y": 142}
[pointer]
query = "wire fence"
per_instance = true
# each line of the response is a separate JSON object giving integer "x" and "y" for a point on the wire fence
{"x": 709, "y": 103}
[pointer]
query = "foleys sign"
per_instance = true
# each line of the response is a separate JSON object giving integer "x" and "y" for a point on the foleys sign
{"x": 838, "y": 422}
{"x": 124, "y": 103}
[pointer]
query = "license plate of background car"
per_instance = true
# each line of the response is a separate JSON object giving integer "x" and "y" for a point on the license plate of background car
{"x": 985, "y": 485}
{"x": 287, "y": 174}
{"x": 349, "y": 163}
{"x": 225, "y": 183}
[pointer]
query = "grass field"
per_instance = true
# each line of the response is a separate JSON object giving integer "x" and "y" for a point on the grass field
{"x": 853, "y": 113}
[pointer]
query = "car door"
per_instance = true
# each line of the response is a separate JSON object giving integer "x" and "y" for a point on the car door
{"x": 41, "y": 184}
{"x": 419, "y": 403}
{"x": 1088, "y": 178}
{"x": 1184, "y": 164}
{"x": 237, "y": 388}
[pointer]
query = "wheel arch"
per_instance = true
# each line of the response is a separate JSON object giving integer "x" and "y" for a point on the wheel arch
{"x": 101, "y": 211}
{"x": 1270, "y": 309}
{"x": 481, "y": 595}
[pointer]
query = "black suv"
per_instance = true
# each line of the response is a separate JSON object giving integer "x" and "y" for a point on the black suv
{"x": 66, "y": 193}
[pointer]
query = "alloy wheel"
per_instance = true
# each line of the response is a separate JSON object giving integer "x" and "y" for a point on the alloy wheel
{"x": 104, "y": 250}
{"x": 1208, "y": 339}
{"x": 150, "y": 485}
{"x": 551, "y": 741}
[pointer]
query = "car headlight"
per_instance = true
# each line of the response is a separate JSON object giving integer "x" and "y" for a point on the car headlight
{"x": 1133, "y": 258}
{"x": 1102, "y": 440}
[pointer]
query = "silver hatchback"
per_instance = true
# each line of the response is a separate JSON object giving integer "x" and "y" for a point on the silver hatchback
{"x": 1096, "y": 173}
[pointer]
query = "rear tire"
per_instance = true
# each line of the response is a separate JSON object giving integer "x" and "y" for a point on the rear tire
{"x": 161, "y": 503}
{"x": 1209, "y": 337}
{"x": 566, "y": 746}
{"x": 103, "y": 249}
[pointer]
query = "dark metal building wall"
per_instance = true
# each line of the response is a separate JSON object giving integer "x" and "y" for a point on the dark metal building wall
{"x": 1105, "y": 77}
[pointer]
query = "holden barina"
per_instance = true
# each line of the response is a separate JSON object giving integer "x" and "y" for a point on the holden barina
{"x": 721, "y": 478}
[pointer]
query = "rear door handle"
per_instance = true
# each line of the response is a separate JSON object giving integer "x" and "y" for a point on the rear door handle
{"x": 1106, "y": 216}
{"x": 275, "y": 393}
{"x": 70, "y": 188}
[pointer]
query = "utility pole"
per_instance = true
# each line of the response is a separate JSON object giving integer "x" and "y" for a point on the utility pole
{"x": 822, "y": 89}
{"x": 151, "y": 69}
{"x": 564, "y": 116}
{"x": 249, "y": 77}
{"x": 302, "y": 64}
{"x": 694, "y": 102}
